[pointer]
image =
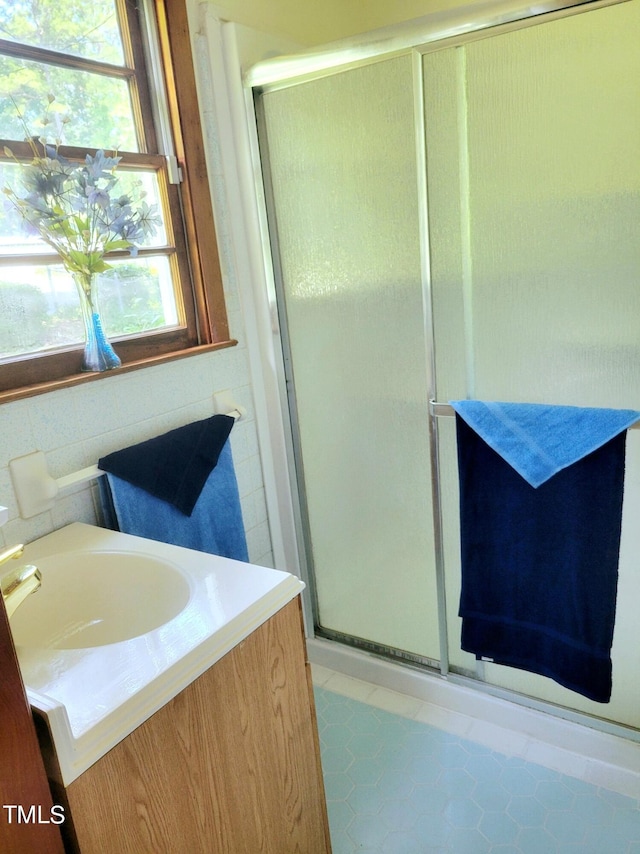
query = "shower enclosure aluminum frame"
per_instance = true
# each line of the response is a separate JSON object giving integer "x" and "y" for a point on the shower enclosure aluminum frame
{"x": 417, "y": 37}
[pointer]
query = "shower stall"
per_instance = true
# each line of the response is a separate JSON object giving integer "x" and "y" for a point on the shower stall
{"x": 452, "y": 212}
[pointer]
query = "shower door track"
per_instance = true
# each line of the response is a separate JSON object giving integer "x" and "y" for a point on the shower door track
{"x": 388, "y": 653}
{"x": 420, "y": 34}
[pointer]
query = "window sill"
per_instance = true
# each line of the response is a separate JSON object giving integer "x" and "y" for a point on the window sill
{"x": 9, "y": 395}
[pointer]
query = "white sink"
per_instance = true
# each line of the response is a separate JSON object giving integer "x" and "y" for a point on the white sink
{"x": 121, "y": 625}
{"x": 92, "y": 598}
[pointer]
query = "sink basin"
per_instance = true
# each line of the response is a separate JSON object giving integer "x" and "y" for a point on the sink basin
{"x": 122, "y": 625}
{"x": 93, "y": 598}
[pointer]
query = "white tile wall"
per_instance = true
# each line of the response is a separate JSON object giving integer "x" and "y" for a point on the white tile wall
{"x": 75, "y": 426}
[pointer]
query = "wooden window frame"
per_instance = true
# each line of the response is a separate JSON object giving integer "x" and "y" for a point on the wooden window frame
{"x": 190, "y": 202}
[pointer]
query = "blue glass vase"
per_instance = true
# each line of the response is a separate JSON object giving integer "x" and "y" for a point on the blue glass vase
{"x": 98, "y": 354}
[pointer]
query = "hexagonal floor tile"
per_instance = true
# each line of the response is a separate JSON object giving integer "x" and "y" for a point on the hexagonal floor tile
{"x": 396, "y": 786}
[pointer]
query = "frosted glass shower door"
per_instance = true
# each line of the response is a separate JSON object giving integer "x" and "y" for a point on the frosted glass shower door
{"x": 533, "y": 151}
{"x": 340, "y": 153}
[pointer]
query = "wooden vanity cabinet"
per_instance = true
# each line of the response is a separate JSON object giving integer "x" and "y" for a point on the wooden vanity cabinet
{"x": 229, "y": 766}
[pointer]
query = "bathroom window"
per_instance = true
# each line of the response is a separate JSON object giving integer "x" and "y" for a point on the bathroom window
{"x": 115, "y": 75}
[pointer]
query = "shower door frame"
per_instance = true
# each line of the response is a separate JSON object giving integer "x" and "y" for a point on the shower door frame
{"x": 416, "y": 38}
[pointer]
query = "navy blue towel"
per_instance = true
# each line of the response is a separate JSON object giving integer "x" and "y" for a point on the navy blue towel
{"x": 215, "y": 525}
{"x": 175, "y": 466}
{"x": 540, "y": 565}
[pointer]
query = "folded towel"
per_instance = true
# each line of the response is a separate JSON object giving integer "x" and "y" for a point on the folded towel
{"x": 540, "y": 440}
{"x": 215, "y": 524}
{"x": 540, "y": 566}
{"x": 176, "y": 465}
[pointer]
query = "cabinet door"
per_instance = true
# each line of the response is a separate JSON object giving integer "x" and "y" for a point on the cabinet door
{"x": 231, "y": 765}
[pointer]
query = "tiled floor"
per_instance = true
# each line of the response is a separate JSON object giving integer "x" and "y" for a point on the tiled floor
{"x": 396, "y": 785}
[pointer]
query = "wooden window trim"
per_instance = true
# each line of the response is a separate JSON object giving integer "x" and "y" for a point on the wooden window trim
{"x": 200, "y": 251}
{"x": 175, "y": 42}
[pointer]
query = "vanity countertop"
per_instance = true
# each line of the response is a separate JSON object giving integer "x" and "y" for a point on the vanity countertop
{"x": 94, "y": 697}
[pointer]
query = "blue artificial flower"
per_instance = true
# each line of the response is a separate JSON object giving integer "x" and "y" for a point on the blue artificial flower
{"x": 100, "y": 165}
{"x": 78, "y": 209}
{"x": 53, "y": 154}
{"x": 97, "y": 197}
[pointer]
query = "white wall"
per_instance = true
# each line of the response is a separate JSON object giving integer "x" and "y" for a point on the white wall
{"x": 300, "y": 21}
{"x": 75, "y": 426}
{"x": 313, "y": 24}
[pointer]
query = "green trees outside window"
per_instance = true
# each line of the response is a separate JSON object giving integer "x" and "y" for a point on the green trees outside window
{"x": 84, "y": 76}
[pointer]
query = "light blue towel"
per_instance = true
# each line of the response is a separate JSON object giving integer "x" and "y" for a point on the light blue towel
{"x": 215, "y": 525}
{"x": 539, "y": 440}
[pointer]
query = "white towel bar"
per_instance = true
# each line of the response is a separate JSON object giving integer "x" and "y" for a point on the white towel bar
{"x": 35, "y": 489}
{"x": 90, "y": 473}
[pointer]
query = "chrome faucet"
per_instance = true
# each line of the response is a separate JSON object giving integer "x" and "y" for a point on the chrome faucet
{"x": 18, "y": 583}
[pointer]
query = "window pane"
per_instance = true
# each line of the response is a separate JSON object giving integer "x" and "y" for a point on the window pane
{"x": 137, "y": 295}
{"x": 89, "y": 30}
{"x": 40, "y": 310}
{"x": 144, "y": 185}
{"x": 98, "y": 108}
{"x": 15, "y": 241}
{"x": 13, "y": 238}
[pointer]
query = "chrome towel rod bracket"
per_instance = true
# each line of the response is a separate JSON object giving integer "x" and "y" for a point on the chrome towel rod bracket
{"x": 440, "y": 409}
